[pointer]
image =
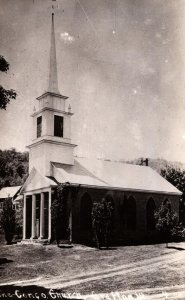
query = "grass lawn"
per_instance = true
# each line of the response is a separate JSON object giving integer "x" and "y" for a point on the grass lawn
{"x": 139, "y": 267}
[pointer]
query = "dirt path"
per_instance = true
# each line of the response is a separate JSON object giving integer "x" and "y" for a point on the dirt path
{"x": 144, "y": 266}
{"x": 175, "y": 292}
{"x": 136, "y": 268}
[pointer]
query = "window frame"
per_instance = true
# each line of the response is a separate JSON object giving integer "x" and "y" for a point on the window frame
{"x": 39, "y": 126}
{"x": 57, "y": 128}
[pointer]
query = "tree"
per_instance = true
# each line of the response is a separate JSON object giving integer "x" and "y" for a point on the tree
{"x": 167, "y": 223}
{"x": 13, "y": 167}
{"x": 102, "y": 222}
{"x": 5, "y": 95}
{"x": 7, "y": 220}
{"x": 176, "y": 176}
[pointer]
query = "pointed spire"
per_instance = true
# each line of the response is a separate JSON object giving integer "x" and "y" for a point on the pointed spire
{"x": 53, "y": 76}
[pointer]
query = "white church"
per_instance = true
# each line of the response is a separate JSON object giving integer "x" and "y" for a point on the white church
{"x": 136, "y": 191}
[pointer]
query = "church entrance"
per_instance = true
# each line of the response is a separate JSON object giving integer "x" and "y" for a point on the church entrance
{"x": 37, "y": 221}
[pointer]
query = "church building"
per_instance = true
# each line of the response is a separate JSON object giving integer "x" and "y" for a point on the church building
{"x": 135, "y": 191}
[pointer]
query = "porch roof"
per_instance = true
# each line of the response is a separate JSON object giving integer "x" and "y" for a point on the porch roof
{"x": 36, "y": 181}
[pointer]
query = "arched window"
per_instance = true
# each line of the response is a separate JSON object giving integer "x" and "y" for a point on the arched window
{"x": 167, "y": 202}
{"x": 109, "y": 198}
{"x": 122, "y": 210}
{"x": 130, "y": 213}
{"x": 85, "y": 211}
{"x": 150, "y": 210}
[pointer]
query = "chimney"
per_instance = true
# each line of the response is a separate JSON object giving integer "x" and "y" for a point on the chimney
{"x": 144, "y": 161}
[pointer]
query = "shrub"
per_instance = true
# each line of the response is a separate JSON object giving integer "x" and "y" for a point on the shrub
{"x": 58, "y": 213}
{"x": 102, "y": 222}
{"x": 167, "y": 223}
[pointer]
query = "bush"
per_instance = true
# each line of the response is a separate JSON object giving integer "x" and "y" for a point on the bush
{"x": 60, "y": 230}
{"x": 102, "y": 222}
{"x": 178, "y": 232}
{"x": 167, "y": 224}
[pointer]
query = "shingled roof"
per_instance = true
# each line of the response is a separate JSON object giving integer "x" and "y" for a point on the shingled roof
{"x": 113, "y": 175}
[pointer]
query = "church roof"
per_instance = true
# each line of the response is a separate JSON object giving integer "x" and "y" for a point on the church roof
{"x": 113, "y": 175}
{"x": 9, "y": 191}
{"x": 76, "y": 175}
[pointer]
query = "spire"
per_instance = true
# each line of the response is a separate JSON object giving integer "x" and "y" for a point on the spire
{"x": 53, "y": 76}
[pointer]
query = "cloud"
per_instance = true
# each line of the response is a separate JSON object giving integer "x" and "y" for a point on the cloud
{"x": 145, "y": 68}
{"x": 136, "y": 132}
{"x": 148, "y": 21}
{"x": 67, "y": 38}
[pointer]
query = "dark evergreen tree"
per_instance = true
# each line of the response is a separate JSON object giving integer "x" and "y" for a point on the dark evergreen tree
{"x": 7, "y": 220}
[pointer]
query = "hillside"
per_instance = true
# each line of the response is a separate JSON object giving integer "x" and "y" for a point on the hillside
{"x": 158, "y": 164}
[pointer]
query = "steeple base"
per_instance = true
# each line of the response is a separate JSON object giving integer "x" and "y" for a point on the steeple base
{"x": 46, "y": 151}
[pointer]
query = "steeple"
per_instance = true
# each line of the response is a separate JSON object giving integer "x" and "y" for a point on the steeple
{"x": 53, "y": 76}
{"x": 51, "y": 123}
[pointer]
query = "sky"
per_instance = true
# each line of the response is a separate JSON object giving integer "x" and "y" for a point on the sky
{"x": 120, "y": 62}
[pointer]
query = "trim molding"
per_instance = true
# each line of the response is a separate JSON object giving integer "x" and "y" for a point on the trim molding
{"x": 52, "y": 94}
{"x": 125, "y": 189}
{"x": 38, "y": 191}
{"x": 52, "y": 109}
{"x": 45, "y": 140}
